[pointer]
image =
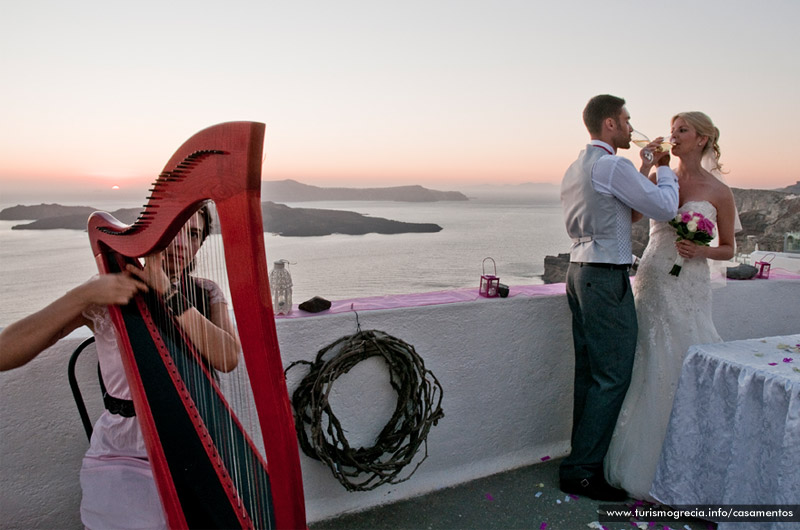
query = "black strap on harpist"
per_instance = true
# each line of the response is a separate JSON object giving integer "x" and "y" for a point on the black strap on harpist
{"x": 122, "y": 407}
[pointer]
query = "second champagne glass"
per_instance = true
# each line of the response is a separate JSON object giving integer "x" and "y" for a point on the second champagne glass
{"x": 641, "y": 141}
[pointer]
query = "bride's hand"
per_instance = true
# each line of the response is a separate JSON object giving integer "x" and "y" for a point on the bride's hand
{"x": 661, "y": 156}
{"x": 689, "y": 250}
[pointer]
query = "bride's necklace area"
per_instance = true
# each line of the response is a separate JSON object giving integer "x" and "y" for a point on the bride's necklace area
{"x": 689, "y": 175}
{"x": 690, "y": 170}
{"x": 693, "y": 186}
{"x": 687, "y": 182}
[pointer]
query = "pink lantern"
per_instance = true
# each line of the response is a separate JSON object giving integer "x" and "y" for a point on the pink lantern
{"x": 764, "y": 266}
{"x": 490, "y": 283}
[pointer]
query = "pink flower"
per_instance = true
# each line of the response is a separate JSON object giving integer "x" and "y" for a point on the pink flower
{"x": 787, "y": 359}
{"x": 694, "y": 227}
{"x": 705, "y": 225}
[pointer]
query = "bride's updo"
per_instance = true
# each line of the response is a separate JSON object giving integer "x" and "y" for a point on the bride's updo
{"x": 704, "y": 127}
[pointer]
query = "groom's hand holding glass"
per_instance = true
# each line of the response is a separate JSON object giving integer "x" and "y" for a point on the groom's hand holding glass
{"x": 653, "y": 152}
{"x": 660, "y": 148}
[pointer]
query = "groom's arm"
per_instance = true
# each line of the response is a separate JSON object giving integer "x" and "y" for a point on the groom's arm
{"x": 617, "y": 176}
{"x": 638, "y": 216}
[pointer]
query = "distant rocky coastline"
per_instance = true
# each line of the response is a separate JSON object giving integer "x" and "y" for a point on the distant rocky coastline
{"x": 277, "y": 218}
{"x": 55, "y": 216}
{"x": 304, "y": 222}
{"x": 292, "y": 191}
{"x": 766, "y": 216}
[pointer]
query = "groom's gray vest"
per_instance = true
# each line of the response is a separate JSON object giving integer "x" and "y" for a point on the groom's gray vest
{"x": 590, "y": 217}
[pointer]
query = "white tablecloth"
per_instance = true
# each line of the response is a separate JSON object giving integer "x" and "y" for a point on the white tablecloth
{"x": 734, "y": 433}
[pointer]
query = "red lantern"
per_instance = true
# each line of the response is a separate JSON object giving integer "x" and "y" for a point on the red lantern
{"x": 764, "y": 266}
{"x": 490, "y": 283}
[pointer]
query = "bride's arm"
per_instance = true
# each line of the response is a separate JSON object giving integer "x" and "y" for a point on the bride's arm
{"x": 726, "y": 211}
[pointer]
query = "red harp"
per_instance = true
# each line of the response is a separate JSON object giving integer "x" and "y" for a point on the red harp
{"x": 207, "y": 468}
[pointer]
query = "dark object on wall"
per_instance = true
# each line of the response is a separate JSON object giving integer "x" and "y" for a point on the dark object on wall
{"x": 320, "y": 433}
{"x": 741, "y": 272}
{"x": 315, "y": 305}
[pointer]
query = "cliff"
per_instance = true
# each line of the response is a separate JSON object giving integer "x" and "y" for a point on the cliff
{"x": 293, "y": 191}
{"x": 766, "y": 216}
{"x": 794, "y": 188}
{"x": 277, "y": 218}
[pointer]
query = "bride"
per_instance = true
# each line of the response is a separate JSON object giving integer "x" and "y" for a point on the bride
{"x": 674, "y": 312}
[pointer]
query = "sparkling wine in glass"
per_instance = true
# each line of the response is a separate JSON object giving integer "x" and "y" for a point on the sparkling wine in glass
{"x": 641, "y": 141}
{"x": 666, "y": 145}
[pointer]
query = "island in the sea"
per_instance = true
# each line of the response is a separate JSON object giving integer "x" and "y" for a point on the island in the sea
{"x": 277, "y": 218}
{"x": 292, "y": 191}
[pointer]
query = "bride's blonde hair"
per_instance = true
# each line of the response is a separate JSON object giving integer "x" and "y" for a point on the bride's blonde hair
{"x": 704, "y": 127}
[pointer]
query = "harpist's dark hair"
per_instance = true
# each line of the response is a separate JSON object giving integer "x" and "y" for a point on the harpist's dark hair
{"x": 205, "y": 214}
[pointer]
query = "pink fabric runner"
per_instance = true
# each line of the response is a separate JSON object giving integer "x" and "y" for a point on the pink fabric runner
{"x": 468, "y": 294}
{"x": 395, "y": 301}
{"x": 777, "y": 273}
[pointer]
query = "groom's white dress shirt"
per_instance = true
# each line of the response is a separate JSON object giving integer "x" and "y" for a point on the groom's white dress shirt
{"x": 600, "y": 224}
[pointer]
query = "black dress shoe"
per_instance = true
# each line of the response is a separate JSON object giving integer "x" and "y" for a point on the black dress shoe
{"x": 593, "y": 487}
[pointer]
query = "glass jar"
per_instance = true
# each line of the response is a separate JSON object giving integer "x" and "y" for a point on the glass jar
{"x": 280, "y": 284}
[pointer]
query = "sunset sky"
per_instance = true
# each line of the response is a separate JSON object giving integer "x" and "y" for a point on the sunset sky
{"x": 443, "y": 93}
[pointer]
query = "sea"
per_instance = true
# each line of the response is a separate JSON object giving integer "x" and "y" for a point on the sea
{"x": 516, "y": 230}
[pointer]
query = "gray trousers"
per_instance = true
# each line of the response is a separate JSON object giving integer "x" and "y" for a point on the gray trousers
{"x": 604, "y": 333}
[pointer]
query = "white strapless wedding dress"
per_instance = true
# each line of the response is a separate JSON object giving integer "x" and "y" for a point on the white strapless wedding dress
{"x": 673, "y": 314}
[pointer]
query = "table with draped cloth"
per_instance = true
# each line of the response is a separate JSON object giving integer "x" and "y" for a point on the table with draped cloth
{"x": 734, "y": 433}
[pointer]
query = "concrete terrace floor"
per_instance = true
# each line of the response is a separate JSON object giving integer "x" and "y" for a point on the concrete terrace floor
{"x": 524, "y": 498}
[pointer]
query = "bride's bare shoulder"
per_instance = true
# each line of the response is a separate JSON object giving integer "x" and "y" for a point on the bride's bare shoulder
{"x": 722, "y": 199}
{"x": 715, "y": 187}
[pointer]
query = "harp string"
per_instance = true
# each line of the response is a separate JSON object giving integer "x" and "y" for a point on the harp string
{"x": 210, "y": 299}
{"x": 239, "y": 384}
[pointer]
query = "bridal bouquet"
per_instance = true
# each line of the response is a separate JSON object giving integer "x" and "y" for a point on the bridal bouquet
{"x": 696, "y": 228}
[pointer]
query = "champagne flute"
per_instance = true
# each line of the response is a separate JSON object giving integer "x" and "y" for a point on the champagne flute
{"x": 641, "y": 141}
{"x": 666, "y": 145}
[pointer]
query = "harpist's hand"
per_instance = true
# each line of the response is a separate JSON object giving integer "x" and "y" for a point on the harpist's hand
{"x": 153, "y": 273}
{"x": 24, "y": 339}
{"x": 109, "y": 289}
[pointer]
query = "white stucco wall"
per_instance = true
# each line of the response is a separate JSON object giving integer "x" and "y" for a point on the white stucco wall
{"x": 505, "y": 366}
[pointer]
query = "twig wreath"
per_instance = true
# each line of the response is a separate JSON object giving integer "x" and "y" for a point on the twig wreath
{"x": 320, "y": 433}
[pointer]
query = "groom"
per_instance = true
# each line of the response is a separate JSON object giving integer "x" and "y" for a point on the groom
{"x": 600, "y": 193}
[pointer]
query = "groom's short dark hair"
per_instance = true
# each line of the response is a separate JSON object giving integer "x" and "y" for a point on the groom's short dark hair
{"x": 598, "y": 109}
